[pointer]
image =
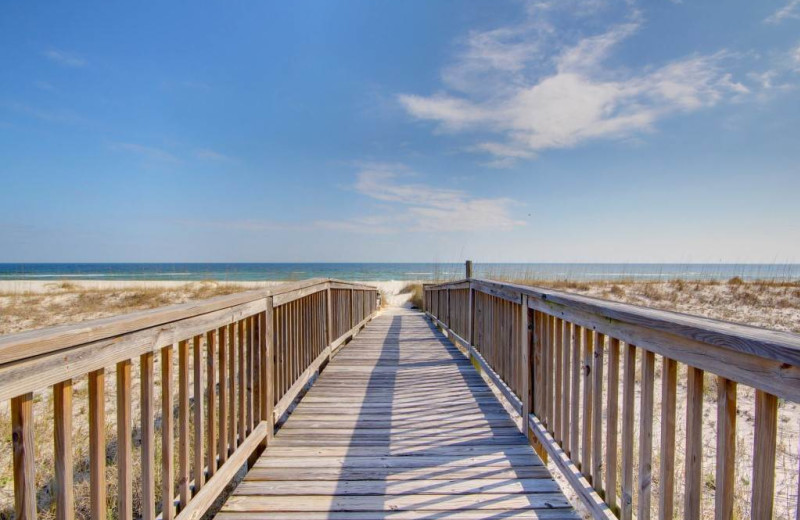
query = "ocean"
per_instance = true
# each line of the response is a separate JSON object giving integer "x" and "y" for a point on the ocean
{"x": 392, "y": 271}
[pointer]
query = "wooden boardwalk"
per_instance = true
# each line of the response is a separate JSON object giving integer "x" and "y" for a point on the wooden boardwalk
{"x": 399, "y": 425}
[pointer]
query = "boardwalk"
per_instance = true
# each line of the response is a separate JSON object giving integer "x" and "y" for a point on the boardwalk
{"x": 399, "y": 425}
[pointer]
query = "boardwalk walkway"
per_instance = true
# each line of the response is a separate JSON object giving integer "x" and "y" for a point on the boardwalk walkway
{"x": 399, "y": 425}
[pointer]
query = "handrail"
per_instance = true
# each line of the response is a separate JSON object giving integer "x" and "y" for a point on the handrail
{"x": 542, "y": 346}
{"x": 241, "y": 360}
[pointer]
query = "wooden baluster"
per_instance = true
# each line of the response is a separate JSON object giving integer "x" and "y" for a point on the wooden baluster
{"x": 241, "y": 354}
{"x": 726, "y": 448}
{"x": 124, "y": 442}
{"x": 167, "y": 435}
{"x": 597, "y": 417}
{"x": 183, "y": 423}
{"x": 97, "y": 444}
{"x": 548, "y": 366}
{"x": 628, "y": 390}
{"x": 612, "y": 412}
{"x": 268, "y": 370}
{"x": 694, "y": 444}
{"x": 646, "y": 434}
{"x": 148, "y": 438}
{"x": 211, "y": 396}
{"x": 557, "y": 380}
{"x": 565, "y": 401}
{"x": 669, "y": 383}
{"x": 526, "y": 352}
{"x": 197, "y": 358}
{"x": 223, "y": 394}
{"x": 764, "y": 444}
{"x": 62, "y": 433}
{"x": 252, "y": 388}
{"x": 24, "y": 457}
{"x": 231, "y": 389}
{"x": 586, "y": 427}
{"x": 576, "y": 348}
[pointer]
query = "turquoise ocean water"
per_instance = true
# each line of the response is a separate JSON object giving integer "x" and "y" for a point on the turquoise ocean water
{"x": 392, "y": 271}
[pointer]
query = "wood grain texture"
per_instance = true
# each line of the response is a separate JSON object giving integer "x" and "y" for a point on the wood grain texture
{"x": 693, "y": 485}
{"x": 97, "y": 444}
{"x": 669, "y": 382}
{"x": 148, "y": 437}
{"x": 167, "y": 435}
{"x": 197, "y": 415}
{"x": 646, "y": 434}
{"x": 628, "y": 415}
{"x": 726, "y": 448}
{"x": 373, "y": 435}
{"x": 24, "y": 456}
{"x": 62, "y": 432}
{"x": 124, "y": 442}
{"x": 764, "y": 444}
{"x": 612, "y": 422}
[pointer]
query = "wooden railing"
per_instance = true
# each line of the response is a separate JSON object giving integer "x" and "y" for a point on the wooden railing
{"x": 556, "y": 357}
{"x": 241, "y": 361}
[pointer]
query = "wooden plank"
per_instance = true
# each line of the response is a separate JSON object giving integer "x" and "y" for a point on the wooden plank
{"x": 586, "y": 423}
{"x": 254, "y": 487}
{"x": 183, "y": 423}
{"x": 565, "y": 400}
{"x": 232, "y": 423}
{"x": 124, "y": 442}
{"x": 198, "y": 416}
{"x": 646, "y": 434}
{"x": 764, "y": 444}
{"x": 242, "y": 381}
{"x": 557, "y": 390}
{"x": 628, "y": 414}
{"x": 726, "y": 448}
{"x": 62, "y": 432}
{"x": 693, "y": 485}
{"x": 269, "y": 371}
{"x": 574, "y": 421}
{"x": 669, "y": 383}
{"x": 527, "y": 374}
{"x": 612, "y": 421}
{"x": 24, "y": 457}
{"x": 97, "y": 444}
{"x": 167, "y": 435}
{"x": 148, "y": 438}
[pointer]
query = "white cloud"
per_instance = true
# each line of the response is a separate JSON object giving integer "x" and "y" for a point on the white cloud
{"x": 64, "y": 58}
{"x": 419, "y": 207}
{"x": 535, "y": 89}
{"x": 788, "y": 11}
{"x": 211, "y": 155}
{"x": 149, "y": 152}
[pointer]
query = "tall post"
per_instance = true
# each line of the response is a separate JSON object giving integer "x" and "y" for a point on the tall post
{"x": 469, "y": 269}
{"x": 527, "y": 380}
{"x": 268, "y": 370}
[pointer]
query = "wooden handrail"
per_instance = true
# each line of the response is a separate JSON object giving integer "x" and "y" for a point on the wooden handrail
{"x": 556, "y": 357}
{"x": 249, "y": 355}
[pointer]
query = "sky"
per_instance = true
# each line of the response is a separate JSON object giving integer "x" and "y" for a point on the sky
{"x": 376, "y": 130}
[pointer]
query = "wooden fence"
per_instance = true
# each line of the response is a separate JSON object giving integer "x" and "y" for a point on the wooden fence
{"x": 241, "y": 361}
{"x": 556, "y": 357}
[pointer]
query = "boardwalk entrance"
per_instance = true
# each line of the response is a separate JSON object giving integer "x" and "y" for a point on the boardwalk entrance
{"x": 398, "y": 425}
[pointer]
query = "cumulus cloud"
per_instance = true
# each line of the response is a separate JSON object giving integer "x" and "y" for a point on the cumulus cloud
{"x": 531, "y": 87}
{"x": 419, "y": 207}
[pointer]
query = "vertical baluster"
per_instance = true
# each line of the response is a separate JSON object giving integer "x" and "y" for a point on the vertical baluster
{"x": 726, "y": 448}
{"x": 97, "y": 444}
{"x": 223, "y": 394}
{"x": 242, "y": 383}
{"x": 557, "y": 380}
{"x": 669, "y": 383}
{"x": 252, "y": 372}
{"x": 548, "y": 366}
{"x": 268, "y": 371}
{"x": 124, "y": 442}
{"x": 694, "y": 444}
{"x": 183, "y": 423}
{"x": 575, "y": 339}
{"x": 197, "y": 358}
{"x": 646, "y": 434}
{"x": 612, "y": 411}
{"x": 628, "y": 389}
{"x": 565, "y": 402}
{"x": 597, "y": 417}
{"x": 167, "y": 435}
{"x": 764, "y": 443}
{"x": 24, "y": 457}
{"x": 586, "y": 426}
{"x": 231, "y": 389}
{"x": 211, "y": 395}
{"x": 148, "y": 438}
{"x": 62, "y": 433}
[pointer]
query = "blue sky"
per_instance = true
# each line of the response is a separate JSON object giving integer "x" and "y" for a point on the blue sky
{"x": 561, "y": 131}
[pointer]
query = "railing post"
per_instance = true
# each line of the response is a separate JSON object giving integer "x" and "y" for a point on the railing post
{"x": 468, "y": 267}
{"x": 527, "y": 380}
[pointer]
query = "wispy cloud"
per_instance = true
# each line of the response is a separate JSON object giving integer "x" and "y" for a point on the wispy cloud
{"x": 51, "y": 115}
{"x": 536, "y": 89}
{"x": 44, "y": 85}
{"x": 418, "y": 207}
{"x": 789, "y": 11}
{"x": 148, "y": 152}
{"x": 67, "y": 59}
{"x": 211, "y": 155}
